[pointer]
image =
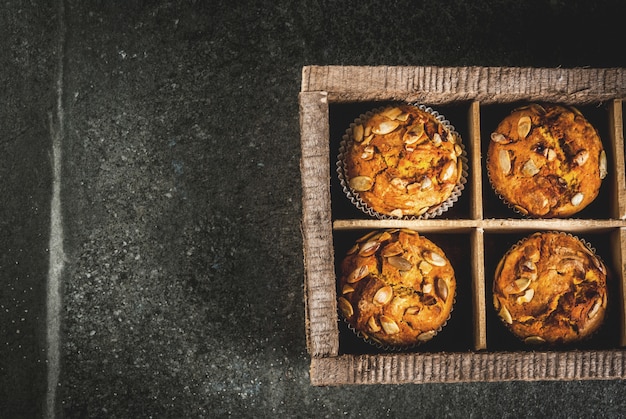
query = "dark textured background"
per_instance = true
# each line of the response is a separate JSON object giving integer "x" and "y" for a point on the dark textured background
{"x": 182, "y": 293}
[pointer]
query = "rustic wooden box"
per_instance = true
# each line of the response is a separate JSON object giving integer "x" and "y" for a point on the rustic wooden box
{"x": 473, "y": 346}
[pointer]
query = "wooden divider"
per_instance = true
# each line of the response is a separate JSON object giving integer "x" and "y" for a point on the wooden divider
{"x": 618, "y": 246}
{"x": 321, "y": 302}
{"x": 616, "y": 124}
{"x": 478, "y": 289}
{"x": 475, "y": 162}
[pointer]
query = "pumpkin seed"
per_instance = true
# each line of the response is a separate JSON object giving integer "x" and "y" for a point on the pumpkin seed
{"x": 345, "y": 307}
{"x": 392, "y": 249}
{"x": 358, "y": 274}
{"x": 403, "y": 117}
{"x": 603, "y": 165}
{"x": 361, "y": 183}
{"x": 496, "y": 137}
{"x": 398, "y": 183}
{"x": 373, "y": 325}
{"x": 447, "y": 171}
{"x": 411, "y": 311}
{"x": 383, "y": 295}
{"x": 425, "y": 267}
{"x": 530, "y": 168}
{"x": 523, "y": 126}
{"x": 392, "y": 113}
{"x": 581, "y": 157}
{"x": 400, "y": 263}
{"x": 504, "y": 161}
{"x": 521, "y": 209}
{"x": 368, "y": 236}
{"x": 368, "y": 153}
{"x": 549, "y": 154}
{"x": 522, "y": 283}
{"x": 426, "y": 336}
{"x": 369, "y": 248}
{"x": 505, "y": 314}
{"x": 389, "y": 325}
{"x": 442, "y": 289}
{"x": 385, "y": 127}
{"x": 577, "y": 199}
{"x": 496, "y": 303}
{"x": 347, "y": 289}
{"x": 527, "y": 297}
{"x": 534, "y": 340}
{"x": 595, "y": 309}
{"x": 434, "y": 258}
{"x": 528, "y": 265}
{"x": 357, "y": 133}
{"x": 413, "y": 135}
{"x": 384, "y": 236}
{"x": 458, "y": 150}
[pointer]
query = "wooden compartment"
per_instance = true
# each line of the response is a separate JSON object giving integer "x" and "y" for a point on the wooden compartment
{"x": 473, "y": 346}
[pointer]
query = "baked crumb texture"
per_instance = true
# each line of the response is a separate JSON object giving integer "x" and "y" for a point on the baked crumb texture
{"x": 546, "y": 161}
{"x": 551, "y": 288}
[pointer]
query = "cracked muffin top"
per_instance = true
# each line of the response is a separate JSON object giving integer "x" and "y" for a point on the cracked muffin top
{"x": 550, "y": 288}
{"x": 396, "y": 288}
{"x": 546, "y": 161}
{"x": 402, "y": 161}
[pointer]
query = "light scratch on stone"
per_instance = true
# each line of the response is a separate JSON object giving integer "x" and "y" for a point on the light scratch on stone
{"x": 57, "y": 256}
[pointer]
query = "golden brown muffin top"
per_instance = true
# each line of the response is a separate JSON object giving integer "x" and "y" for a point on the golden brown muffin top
{"x": 551, "y": 288}
{"x": 547, "y": 161}
{"x": 402, "y": 161}
{"x": 396, "y": 288}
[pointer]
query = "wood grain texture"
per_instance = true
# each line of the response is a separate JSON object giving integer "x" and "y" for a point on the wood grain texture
{"x": 321, "y": 306}
{"x": 468, "y": 367}
{"x": 478, "y": 288}
{"x": 616, "y": 143}
{"x": 618, "y": 246}
{"x": 503, "y": 225}
{"x": 475, "y": 163}
{"x": 437, "y": 85}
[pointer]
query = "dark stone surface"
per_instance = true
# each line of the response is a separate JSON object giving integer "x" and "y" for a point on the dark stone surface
{"x": 181, "y": 194}
{"x": 27, "y": 63}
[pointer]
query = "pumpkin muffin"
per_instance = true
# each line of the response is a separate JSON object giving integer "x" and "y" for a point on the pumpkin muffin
{"x": 546, "y": 161}
{"x": 550, "y": 288}
{"x": 402, "y": 161}
{"x": 396, "y": 288}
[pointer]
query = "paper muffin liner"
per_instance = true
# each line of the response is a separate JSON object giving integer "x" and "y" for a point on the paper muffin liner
{"x": 513, "y": 207}
{"x": 518, "y": 209}
{"x": 544, "y": 343}
{"x": 395, "y": 348}
{"x": 354, "y": 196}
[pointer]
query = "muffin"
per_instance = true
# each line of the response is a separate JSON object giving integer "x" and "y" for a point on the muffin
{"x": 550, "y": 288}
{"x": 396, "y": 288}
{"x": 402, "y": 161}
{"x": 546, "y": 161}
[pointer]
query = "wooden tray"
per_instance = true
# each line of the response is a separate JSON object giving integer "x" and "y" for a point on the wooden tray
{"x": 474, "y": 345}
